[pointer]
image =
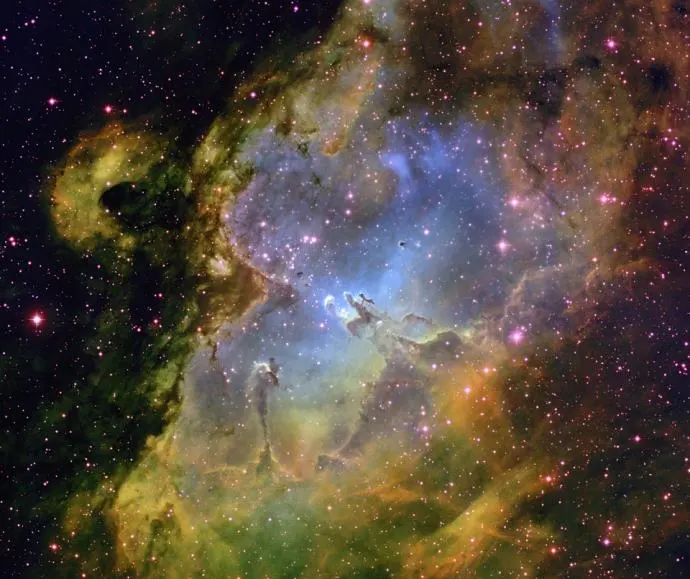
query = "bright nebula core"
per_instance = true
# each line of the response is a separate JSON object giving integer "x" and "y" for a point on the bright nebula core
{"x": 410, "y": 302}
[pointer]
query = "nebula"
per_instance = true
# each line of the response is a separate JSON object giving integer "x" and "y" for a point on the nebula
{"x": 414, "y": 305}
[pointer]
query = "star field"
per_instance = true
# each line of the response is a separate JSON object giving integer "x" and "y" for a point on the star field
{"x": 379, "y": 288}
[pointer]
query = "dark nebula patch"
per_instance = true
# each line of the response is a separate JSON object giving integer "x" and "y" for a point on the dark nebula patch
{"x": 587, "y": 62}
{"x": 660, "y": 79}
{"x": 547, "y": 94}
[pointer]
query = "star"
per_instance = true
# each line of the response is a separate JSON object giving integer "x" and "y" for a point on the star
{"x": 517, "y": 336}
{"x": 503, "y": 246}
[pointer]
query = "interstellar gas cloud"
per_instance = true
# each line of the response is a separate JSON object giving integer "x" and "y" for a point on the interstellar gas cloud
{"x": 413, "y": 305}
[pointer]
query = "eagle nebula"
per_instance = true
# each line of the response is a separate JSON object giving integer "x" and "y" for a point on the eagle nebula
{"x": 409, "y": 300}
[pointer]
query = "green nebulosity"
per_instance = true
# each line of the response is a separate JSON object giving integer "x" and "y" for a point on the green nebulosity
{"x": 117, "y": 383}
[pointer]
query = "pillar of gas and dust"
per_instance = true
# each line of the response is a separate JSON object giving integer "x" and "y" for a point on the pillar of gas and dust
{"x": 262, "y": 380}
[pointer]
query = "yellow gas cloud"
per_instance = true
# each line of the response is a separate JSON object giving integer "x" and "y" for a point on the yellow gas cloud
{"x": 100, "y": 160}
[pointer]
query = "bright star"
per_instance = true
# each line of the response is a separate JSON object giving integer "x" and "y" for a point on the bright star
{"x": 517, "y": 336}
